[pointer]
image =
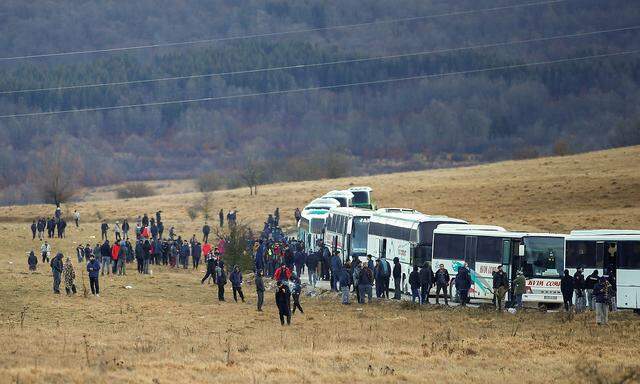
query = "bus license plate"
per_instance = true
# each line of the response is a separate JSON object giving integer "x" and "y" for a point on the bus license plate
{"x": 550, "y": 297}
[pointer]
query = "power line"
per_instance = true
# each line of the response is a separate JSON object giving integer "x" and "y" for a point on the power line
{"x": 335, "y": 86}
{"x": 321, "y": 64}
{"x": 282, "y": 33}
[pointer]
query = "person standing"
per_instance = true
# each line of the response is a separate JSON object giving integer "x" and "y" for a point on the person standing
{"x": 57, "y": 269}
{"x": 196, "y": 252}
{"x": 34, "y": 229}
{"x": 355, "y": 277}
{"x": 426, "y": 281}
{"x": 206, "y": 229}
{"x": 125, "y": 229}
{"x": 184, "y": 254}
{"x": 116, "y": 231}
{"x": 69, "y": 277}
{"x": 567, "y": 286}
{"x": 365, "y": 282}
{"x": 589, "y": 283}
{"x": 146, "y": 256}
{"x": 397, "y": 274}
{"x": 76, "y": 217}
{"x": 519, "y": 284}
{"x": 601, "y": 293}
{"x": 579, "y": 284}
{"x": 336, "y": 266}
{"x": 442, "y": 282}
{"x": 414, "y": 284}
{"x": 104, "y": 227}
{"x": 93, "y": 269}
{"x": 386, "y": 276}
{"x": 122, "y": 259}
{"x": 221, "y": 279}
{"x": 211, "y": 267}
{"x": 260, "y": 289}
{"x": 45, "y": 251}
{"x": 283, "y": 302}
{"x": 297, "y": 215}
{"x": 105, "y": 252}
{"x": 236, "y": 283}
{"x": 345, "y": 280}
{"x": 312, "y": 268}
{"x": 282, "y": 274}
{"x": 296, "y": 288}
{"x": 463, "y": 284}
{"x": 32, "y": 260}
{"x": 500, "y": 286}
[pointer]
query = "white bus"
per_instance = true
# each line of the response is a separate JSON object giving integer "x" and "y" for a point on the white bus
{"x": 538, "y": 255}
{"x": 362, "y": 197}
{"x": 345, "y": 198}
{"x": 403, "y": 233}
{"x": 347, "y": 231}
{"x": 614, "y": 252}
{"x": 311, "y": 228}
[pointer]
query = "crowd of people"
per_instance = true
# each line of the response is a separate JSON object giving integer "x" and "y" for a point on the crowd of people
{"x": 285, "y": 260}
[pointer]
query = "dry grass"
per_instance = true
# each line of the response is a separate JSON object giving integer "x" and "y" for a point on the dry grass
{"x": 169, "y": 328}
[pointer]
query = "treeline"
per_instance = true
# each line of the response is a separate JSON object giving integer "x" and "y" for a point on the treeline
{"x": 518, "y": 113}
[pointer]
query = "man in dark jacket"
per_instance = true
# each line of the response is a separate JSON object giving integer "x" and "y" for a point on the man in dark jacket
{"x": 312, "y": 268}
{"x": 211, "y": 268}
{"x": 32, "y": 260}
{"x": 365, "y": 282}
{"x": 589, "y": 283}
{"x": 426, "y": 281}
{"x": 56, "y": 268}
{"x": 397, "y": 275}
{"x": 463, "y": 284}
{"x": 283, "y": 301}
{"x": 104, "y": 227}
{"x": 385, "y": 269}
{"x": 442, "y": 282}
{"x": 34, "y": 229}
{"x": 105, "y": 253}
{"x": 579, "y": 286}
{"x": 500, "y": 286}
{"x": 184, "y": 254}
{"x": 236, "y": 283}
{"x": 602, "y": 294}
{"x": 260, "y": 289}
{"x": 221, "y": 279}
{"x": 414, "y": 283}
{"x": 336, "y": 266}
{"x": 196, "y": 254}
{"x": 93, "y": 269}
{"x": 206, "y": 229}
{"x": 566, "y": 287}
{"x": 345, "y": 280}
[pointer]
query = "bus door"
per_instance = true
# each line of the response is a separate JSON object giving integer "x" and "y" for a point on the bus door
{"x": 470, "y": 251}
{"x": 511, "y": 257}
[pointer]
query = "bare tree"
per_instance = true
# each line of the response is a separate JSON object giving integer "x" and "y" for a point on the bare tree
{"x": 252, "y": 174}
{"x": 203, "y": 205}
{"x": 56, "y": 185}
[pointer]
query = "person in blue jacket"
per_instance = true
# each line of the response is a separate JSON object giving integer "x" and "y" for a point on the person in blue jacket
{"x": 336, "y": 266}
{"x": 236, "y": 283}
{"x": 345, "y": 279}
{"x": 93, "y": 269}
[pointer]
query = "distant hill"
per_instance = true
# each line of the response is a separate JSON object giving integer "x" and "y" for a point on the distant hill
{"x": 457, "y": 120}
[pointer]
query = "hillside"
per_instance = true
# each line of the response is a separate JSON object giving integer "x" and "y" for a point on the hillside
{"x": 568, "y": 107}
{"x": 597, "y": 189}
{"x": 166, "y": 327}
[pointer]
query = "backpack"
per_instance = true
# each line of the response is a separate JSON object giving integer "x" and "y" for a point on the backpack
{"x": 385, "y": 267}
{"x": 223, "y": 277}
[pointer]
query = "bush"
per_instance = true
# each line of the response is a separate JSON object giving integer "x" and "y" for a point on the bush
{"x": 134, "y": 190}
{"x": 210, "y": 181}
{"x": 561, "y": 148}
{"x": 525, "y": 153}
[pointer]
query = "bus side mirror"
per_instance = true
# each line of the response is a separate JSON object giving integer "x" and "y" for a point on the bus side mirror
{"x": 521, "y": 250}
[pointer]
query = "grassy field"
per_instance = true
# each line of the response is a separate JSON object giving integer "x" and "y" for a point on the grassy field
{"x": 168, "y": 328}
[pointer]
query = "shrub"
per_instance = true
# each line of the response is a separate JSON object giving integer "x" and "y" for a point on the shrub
{"x": 210, "y": 181}
{"x": 134, "y": 190}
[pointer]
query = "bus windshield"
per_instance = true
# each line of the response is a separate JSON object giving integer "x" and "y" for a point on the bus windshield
{"x": 543, "y": 257}
{"x": 317, "y": 226}
{"x": 360, "y": 197}
{"x": 359, "y": 235}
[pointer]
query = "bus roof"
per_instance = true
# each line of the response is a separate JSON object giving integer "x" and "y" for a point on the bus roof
{"x": 468, "y": 227}
{"x": 343, "y": 193}
{"x": 351, "y": 211}
{"x": 360, "y": 189}
{"x": 410, "y": 215}
{"x": 489, "y": 231}
{"x": 601, "y": 232}
{"x": 315, "y": 214}
{"x": 604, "y": 237}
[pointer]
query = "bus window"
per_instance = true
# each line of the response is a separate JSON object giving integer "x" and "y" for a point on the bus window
{"x": 629, "y": 254}
{"x": 581, "y": 254}
{"x": 489, "y": 249}
{"x": 383, "y": 248}
{"x": 360, "y": 197}
{"x": 543, "y": 257}
{"x": 359, "y": 235}
{"x": 470, "y": 250}
{"x": 449, "y": 247}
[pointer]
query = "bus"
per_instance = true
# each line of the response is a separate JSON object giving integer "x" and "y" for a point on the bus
{"x": 615, "y": 252}
{"x": 539, "y": 256}
{"x": 406, "y": 234}
{"x": 345, "y": 198}
{"x": 322, "y": 203}
{"x": 347, "y": 231}
{"x": 362, "y": 197}
{"x": 311, "y": 228}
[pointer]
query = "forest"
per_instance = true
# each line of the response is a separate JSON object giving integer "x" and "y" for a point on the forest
{"x": 454, "y": 115}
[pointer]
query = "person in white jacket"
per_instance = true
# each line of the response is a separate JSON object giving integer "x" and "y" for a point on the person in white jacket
{"x": 45, "y": 251}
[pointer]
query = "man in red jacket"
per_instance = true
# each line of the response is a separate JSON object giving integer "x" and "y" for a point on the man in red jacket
{"x": 283, "y": 273}
{"x": 115, "y": 250}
